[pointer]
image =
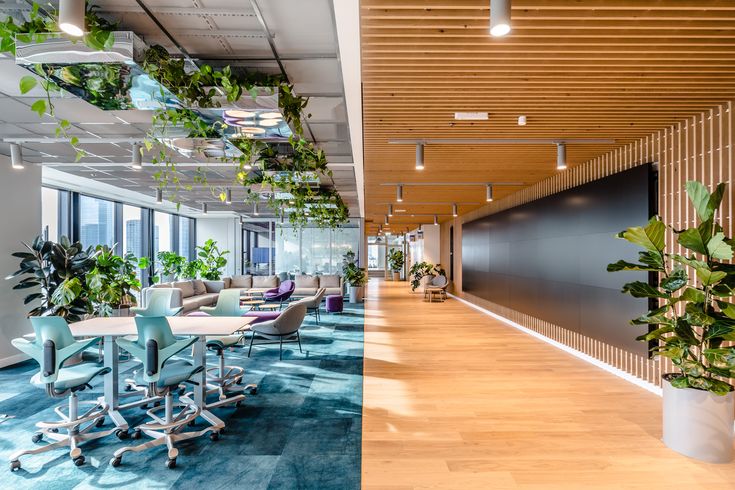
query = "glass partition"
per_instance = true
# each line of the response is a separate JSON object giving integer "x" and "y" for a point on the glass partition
{"x": 314, "y": 250}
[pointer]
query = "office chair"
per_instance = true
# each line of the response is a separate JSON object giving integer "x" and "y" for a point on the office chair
{"x": 158, "y": 304}
{"x": 285, "y": 328}
{"x": 51, "y": 349}
{"x": 162, "y": 374}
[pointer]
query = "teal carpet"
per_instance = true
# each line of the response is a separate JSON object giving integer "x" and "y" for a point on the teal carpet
{"x": 303, "y": 430}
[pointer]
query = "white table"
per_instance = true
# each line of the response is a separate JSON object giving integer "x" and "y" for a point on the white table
{"x": 112, "y": 327}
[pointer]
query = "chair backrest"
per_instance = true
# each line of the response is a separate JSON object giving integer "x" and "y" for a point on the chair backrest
{"x": 286, "y": 286}
{"x": 159, "y": 303}
{"x": 52, "y": 335}
{"x": 439, "y": 281}
{"x": 316, "y": 300}
{"x": 290, "y": 319}
{"x": 228, "y": 304}
{"x": 154, "y": 337}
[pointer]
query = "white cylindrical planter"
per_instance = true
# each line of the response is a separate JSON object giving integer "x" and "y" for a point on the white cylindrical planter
{"x": 354, "y": 294}
{"x": 698, "y": 424}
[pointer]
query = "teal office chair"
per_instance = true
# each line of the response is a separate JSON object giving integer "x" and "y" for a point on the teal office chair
{"x": 162, "y": 374}
{"x": 51, "y": 349}
{"x": 158, "y": 304}
{"x": 226, "y": 379}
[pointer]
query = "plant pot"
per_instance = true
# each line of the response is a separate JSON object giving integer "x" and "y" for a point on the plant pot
{"x": 396, "y": 276}
{"x": 122, "y": 311}
{"x": 697, "y": 423}
{"x": 355, "y": 294}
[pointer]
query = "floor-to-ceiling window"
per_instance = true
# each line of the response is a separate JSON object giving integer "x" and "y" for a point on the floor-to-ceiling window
{"x": 186, "y": 237}
{"x": 314, "y": 250}
{"x": 132, "y": 230}
{"x": 96, "y": 221}
{"x": 162, "y": 232}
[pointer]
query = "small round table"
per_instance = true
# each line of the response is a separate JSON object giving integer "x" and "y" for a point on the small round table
{"x": 254, "y": 303}
{"x": 270, "y": 306}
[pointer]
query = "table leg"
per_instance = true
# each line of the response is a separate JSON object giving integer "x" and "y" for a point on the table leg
{"x": 111, "y": 382}
{"x": 200, "y": 391}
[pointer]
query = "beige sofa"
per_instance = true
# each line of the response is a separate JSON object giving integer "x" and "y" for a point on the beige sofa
{"x": 190, "y": 294}
{"x": 258, "y": 284}
{"x": 308, "y": 285}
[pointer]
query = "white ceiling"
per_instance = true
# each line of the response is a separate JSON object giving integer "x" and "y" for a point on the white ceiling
{"x": 218, "y": 32}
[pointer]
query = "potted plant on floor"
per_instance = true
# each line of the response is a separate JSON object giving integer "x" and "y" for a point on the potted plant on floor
{"x": 112, "y": 281}
{"x": 421, "y": 270}
{"x": 395, "y": 262}
{"x": 692, "y": 324}
{"x": 171, "y": 265}
{"x": 355, "y": 277}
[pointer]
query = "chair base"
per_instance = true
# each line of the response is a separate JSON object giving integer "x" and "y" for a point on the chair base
{"x": 76, "y": 434}
{"x": 167, "y": 429}
{"x": 280, "y": 341}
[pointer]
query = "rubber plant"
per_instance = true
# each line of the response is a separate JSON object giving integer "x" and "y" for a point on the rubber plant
{"x": 56, "y": 273}
{"x": 212, "y": 260}
{"x": 693, "y": 322}
{"x": 112, "y": 281}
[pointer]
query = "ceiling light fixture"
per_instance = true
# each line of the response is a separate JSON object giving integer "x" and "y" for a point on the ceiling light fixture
{"x": 419, "y": 156}
{"x": 228, "y": 196}
{"x": 238, "y": 114}
{"x": 71, "y": 17}
{"x": 386, "y": 220}
{"x": 399, "y": 193}
{"x": 16, "y": 156}
{"x": 204, "y": 208}
{"x": 499, "y": 17}
{"x": 561, "y": 156}
{"x": 454, "y": 210}
{"x": 271, "y": 115}
{"x": 521, "y": 120}
{"x": 471, "y": 116}
{"x": 269, "y": 122}
{"x": 137, "y": 162}
{"x": 159, "y": 196}
{"x": 390, "y": 210}
{"x": 489, "y": 193}
{"x": 255, "y": 209}
{"x": 436, "y": 219}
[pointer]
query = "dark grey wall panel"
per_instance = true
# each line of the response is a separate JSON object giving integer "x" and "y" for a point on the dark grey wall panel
{"x": 547, "y": 258}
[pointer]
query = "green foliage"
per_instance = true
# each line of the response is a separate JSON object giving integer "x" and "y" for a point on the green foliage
{"x": 421, "y": 269}
{"x": 396, "y": 260}
{"x": 56, "y": 272}
{"x": 692, "y": 321}
{"x": 191, "y": 269}
{"x": 354, "y": 275}
{"x": 112, "y": 281}
{"x": 212, "y": 260}
{"x": 170, "y": 264}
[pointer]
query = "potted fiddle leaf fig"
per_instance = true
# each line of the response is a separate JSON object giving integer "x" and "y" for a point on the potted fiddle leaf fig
{"x": 212, "y": 260}
{"x": 355, "y": 277}
{"x": 395, "y": 262}
{"x": 692, "y": 324}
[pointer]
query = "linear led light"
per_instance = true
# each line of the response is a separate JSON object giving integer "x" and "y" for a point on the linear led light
{"x": 471, "y": 116}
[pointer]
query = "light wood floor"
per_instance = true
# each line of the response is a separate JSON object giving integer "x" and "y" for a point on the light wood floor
{"x": 456, "y": 399}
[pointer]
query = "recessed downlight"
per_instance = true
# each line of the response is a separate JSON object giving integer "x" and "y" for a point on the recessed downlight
{"x": 271, "y": 115}
{"x": 239, "y": 114}
{"x": 269, "y": 122}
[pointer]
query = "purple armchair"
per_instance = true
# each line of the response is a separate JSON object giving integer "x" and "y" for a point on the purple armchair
{"x": 281, "y": 293}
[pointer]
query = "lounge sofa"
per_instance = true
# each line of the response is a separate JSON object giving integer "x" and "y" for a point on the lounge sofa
{"x": 189, "y": 294}
{"x": 308, "y": 285}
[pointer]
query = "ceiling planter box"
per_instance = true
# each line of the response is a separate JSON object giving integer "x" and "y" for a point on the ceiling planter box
{"x": 110, "y": 79}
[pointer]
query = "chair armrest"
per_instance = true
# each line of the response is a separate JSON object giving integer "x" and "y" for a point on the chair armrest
{"x": 74, "y": 349}
{"x": 214, "y": 286}
{"x": 271, "y": 291}
{"x": 207, "y": 308}
{"x": 175, "y": 348}
{"x": 137, "y": 351}
{"x": 29, "y": 348}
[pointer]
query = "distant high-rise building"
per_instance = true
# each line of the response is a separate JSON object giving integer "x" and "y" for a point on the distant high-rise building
{"x": 97, "y": 222}
{"x": 134, "y": 237}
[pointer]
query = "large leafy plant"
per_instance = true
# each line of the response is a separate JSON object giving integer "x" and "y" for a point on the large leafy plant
{"x": 170, "y": 264}
{"x": 396, "y": 260}
{"x": 421, "y": 269}
{"x": 212, "y": 260}
{"x": 112, "y": 281}
{"x": 693, "y": 320}
{"x": 353, "y": 274}
{"x": 56, "y": 273}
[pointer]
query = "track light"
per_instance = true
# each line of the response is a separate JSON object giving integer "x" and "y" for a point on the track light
{"x": 137, "y": 162}
{"x": 420, "y": 230}
{"x": 228, "y": 196}
{"x": 399, "y": 193}
{"x": 255, "y": 209}
{"x": 386, "y": 220}
{"x": 419, "y": 156}
{"x": 204, "y": 208}
{"x": 521, "y": 120}
{"x": 16, "y": 156}
{"x": 436, "y": 219}
{"x": 454, "y": 210}
{"x": 71, "y": 17}
{"x": 489, "y": 193}
{"x": 561, "y": 156}
{"x": 390, "y": 210}
{"x": 499, "y": 17}
{"x": 159, "y": 196}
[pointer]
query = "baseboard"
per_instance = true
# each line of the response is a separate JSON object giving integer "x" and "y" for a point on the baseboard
{"x": 14, "y": 359}
{"x": 580, "y": 355}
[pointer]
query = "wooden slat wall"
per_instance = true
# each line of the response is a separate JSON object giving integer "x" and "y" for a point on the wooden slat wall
{"x": 698, "y": 148}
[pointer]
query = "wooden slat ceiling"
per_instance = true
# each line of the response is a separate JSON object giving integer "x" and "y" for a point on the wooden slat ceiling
{"x": 612, "y": 69}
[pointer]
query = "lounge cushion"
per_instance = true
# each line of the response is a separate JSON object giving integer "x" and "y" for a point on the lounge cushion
{"x": 306, "y": 282}
{"x": 199, "y": 287}
{"x": 227, "y": 281}
{"x": 187, "y": 288}
{"x": 304, "y": 291}
{"x": 190, "y": 304}
{"x": 162, "y": 285}
{"x": 329, "y": 281}
{"x": 265, "y": 282}
{"x": 208, "y": 299}
{"x": 244, "y": 282}
{"x": 262, "y": 316}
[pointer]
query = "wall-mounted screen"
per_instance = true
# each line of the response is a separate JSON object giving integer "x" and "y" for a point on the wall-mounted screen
{"x": 548, "y": 258}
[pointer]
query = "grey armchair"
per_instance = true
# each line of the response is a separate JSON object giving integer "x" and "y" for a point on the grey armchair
{"x": 285, "y": 328}
{"x": 313, "y": 303}
{"x": 438, "y": 284}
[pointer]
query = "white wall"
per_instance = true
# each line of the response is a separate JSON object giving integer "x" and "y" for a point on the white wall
{"x": 432, "y": 244}
{"x": 20, "y": 220}
{"x": 227, "y": 232}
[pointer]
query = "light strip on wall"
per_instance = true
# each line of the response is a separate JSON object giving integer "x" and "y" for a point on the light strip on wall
{"x": 581, "y": 355}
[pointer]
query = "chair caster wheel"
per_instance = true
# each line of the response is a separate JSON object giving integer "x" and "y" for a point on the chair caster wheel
{"x": 100, "y": 422}
{"x": 54, "y": 430}
{"x": 79, "y": 461}
{"x": 254, "y": 391}
{"x": 239, "y": 381}
{"x": 214, "y": 436}
{"x": 171, "y": 463}
{"x": 115, "y": 462}
{"x": 144, "y": 407}
{"x": 136, "y": 434}
{"x": 14, "y": 465}
{"x": 238, "y": 403}
{"x": 37, "y": 437}
{"x": 128, "y": 387}
{"x": 156, "y": 404}
{"x": 122, "y": 434}
{"x": 191, "y": 424}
